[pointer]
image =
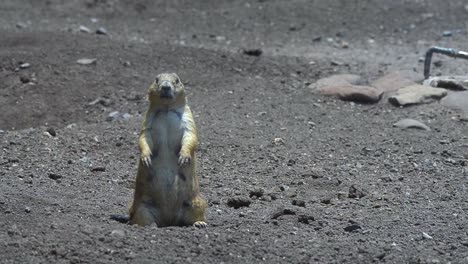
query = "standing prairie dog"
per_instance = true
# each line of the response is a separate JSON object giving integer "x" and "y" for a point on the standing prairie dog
{"x": 167, "y": 190}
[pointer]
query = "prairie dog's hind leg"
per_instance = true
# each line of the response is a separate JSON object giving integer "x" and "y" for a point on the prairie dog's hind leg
{"x": 143, "y": 215}
{"x": 195, "y": 212}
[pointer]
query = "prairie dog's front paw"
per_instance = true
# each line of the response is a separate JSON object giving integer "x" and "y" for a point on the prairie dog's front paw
{"x": 184, "y": 160}
{"x": 146, "y": 158}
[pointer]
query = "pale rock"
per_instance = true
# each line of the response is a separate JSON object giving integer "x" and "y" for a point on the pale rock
{"x": 356, "y": 93}
{"x": 411, "y": 123}
{"x": 86, "y": 61}
{"x": 457, "y": 83}
{"x": 416, "y": 94}
{"x": 457, "y": 101}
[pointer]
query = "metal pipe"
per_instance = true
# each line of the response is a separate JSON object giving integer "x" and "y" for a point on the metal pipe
{"x": 446, "y": 51}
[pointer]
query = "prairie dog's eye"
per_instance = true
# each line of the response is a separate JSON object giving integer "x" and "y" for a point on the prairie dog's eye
{"x": 177, "y": 81}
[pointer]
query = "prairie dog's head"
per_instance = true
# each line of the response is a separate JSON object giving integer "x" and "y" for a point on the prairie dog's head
{"x": 167, "y": 88}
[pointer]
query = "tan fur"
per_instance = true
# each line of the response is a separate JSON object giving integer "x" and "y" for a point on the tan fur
{"x": 167, "y": 190}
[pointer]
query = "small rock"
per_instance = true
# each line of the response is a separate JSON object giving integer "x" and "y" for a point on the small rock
{"x": 447, "y": 33}
{"x": 24, "y": 65}
{"x": 127, "y": 63}
{"x": 416, "y": 94}
{"x": 282, "y": 211}
{"x": 101, "y": 31}
{"x": 315, "y": 173}
{"x": 238, "y": 202}
{"x": 84, "y": 29}
{"x": 117, "y": 233}
{"x": 13, "y": 160}
{"x": 258, "y": 192}
{"x": 278, "y": 141}
{"x": 326, "y": 200}
{"x": 24, "y": 79}
{"x": 438, "y": 64}
{"x": 426, "y": 236}
{"x": 55, "y": 176}
{"x": 126, "y": 116}
{"x": 253, "y": 52}
{"x": 457, "y": 101}
{"x": 305, "y": 219}
{"x": 355, "y": 93}
{"x": 86, "y": 61}
{"x": 51, "y": 131}
{"x": 352, "y": 228}
{"x": 112, "y": 116}
{"x": 98, "y": 169}
{"x": 336, "y": 63}
{"x": 20, "y": 25}
{"x": 456, "y": 83}
{"x": 299, "y": 203}
{"x": 27, "y": 209}
{"x": 411, "y": 123}
{"x": 101, "y": 100}
{"x": 355, "y": 193}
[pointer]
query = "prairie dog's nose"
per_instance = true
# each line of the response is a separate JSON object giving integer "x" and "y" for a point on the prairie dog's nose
{"x": 166, "y": 86}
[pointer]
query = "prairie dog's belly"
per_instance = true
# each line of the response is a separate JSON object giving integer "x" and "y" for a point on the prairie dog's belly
{"x": 166, "y": 132}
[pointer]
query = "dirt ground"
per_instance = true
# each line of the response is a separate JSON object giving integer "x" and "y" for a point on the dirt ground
{"x": 57, "y": 192}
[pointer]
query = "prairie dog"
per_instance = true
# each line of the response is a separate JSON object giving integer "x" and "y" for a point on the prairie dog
{"x": 167, "y": 189}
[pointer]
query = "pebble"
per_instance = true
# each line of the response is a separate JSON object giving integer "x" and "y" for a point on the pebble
{"x": 51, "y": 131}
{"x": 20, "y": 25}
{"x": 24, "y": 79}
{"x": 305, "y": 219}
{"x": 112, "y": 115}
{"x": 27, "y": 209}
{"x": 352, "y": 228}
{"x": 411, "y": 123}
{"x": 101, "y": 100}
{"x": 355, "y": 193}
{"x": 25, "y": 65}
{"x": 86, "y": 61}
{"x": 84, "y": 29}
{"x": 258, "y": 192}
{"x": 98, "y": 169}
{"x": 101, "y": 31}
{"x": 282, "y": 211}
{"x": 238, "y": 202}
{"x": 253, "y": 52}
{"x": 447, "y": 33}
{"x": 55, "y": 176}
{"x": 278, "y": 141}
{"x": 117, "y": 233}
{"x": 299, "y": 203}
{"x": 426, "y": 236}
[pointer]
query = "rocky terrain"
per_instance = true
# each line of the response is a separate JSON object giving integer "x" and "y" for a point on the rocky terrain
{"x": 304, "y": 155}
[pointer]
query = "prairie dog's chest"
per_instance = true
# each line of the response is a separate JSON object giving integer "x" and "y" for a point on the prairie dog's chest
{"x": 167, "y": 128}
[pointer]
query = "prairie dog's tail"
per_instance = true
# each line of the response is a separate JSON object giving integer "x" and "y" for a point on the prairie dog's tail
{"x": 120, "y": 218}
